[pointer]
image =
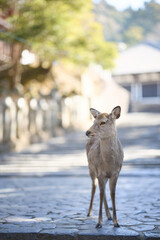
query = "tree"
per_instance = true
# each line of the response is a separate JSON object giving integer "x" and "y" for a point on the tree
{"x": 133, "y": 35}
{"x": 58, "y": 30}
{"x": 141, "y": 24}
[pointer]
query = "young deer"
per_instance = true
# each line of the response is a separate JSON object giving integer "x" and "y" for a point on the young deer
{"x": 105, "y": 157}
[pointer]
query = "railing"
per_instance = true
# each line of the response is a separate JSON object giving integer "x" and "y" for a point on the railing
{"x": 23, "y": 122}
{"x": 27, "y": 121}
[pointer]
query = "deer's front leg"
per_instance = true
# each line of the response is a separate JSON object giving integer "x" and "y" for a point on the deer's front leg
{"x": 112, "y": 185}
{"x": 106, "y": 205}
{"x": 92, "y": 197}
{"x": 106, "y": 208}
{"x": 102, "y": 192}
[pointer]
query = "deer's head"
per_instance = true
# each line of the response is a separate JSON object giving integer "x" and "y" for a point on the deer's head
{"x": 104, "y": 123}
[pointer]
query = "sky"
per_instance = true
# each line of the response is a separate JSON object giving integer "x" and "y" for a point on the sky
{"x": 123, "y": 4}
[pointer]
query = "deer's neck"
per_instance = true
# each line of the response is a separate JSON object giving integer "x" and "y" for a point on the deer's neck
{"x": 108, "y": 145}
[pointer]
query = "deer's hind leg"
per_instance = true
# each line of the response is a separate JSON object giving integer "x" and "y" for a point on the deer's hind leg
{"x": 94, "y": 184}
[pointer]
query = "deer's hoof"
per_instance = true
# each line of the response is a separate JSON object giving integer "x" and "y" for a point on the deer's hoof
{"x": 99, "y": 225}
{"x": 116, "y": 225}
{"x": 109, "y": 218}
{"x": 88, "y": 215}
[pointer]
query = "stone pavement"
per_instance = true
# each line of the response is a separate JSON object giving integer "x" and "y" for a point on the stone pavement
{"x": 45, "y": 189}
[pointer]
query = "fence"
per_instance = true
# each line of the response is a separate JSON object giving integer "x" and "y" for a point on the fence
{"x": 23, "y": 122}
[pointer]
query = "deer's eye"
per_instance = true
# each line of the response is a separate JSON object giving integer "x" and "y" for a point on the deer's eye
{"x": 102, "y": 123}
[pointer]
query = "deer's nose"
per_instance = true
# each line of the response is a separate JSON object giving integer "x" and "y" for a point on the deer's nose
{"x": 87, "y": 133}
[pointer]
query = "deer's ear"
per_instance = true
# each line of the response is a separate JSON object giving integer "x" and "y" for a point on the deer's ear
{"x": 94, "y": 112}
{"x": 116, "y": 112}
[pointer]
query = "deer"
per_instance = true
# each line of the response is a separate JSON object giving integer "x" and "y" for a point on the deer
{"x": 105, "y": 158}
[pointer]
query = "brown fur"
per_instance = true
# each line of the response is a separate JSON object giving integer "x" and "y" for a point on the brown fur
{"x": 105, "y": 157}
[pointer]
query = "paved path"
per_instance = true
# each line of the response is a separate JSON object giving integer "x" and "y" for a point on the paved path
{"x": 45, "y": 189}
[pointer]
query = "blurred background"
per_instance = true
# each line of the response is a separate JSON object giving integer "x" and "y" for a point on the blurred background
{"x": 60, "y": 57}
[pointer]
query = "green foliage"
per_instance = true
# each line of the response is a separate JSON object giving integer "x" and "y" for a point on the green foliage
{"x": 133, "y": 35}
{"x": 130, "y": 26}
{"x": 147, "y": 18}
{"x": 59, "y": 29}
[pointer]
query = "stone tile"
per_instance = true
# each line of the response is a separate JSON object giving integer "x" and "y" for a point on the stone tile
{"x": 108, "y": 233}
{"x": 12, "y": 228}
{"x": 55, "y": 206}
{"x": 128, "y": 222}
{"x": 142, "y": 227}
{"x": 152, "y": 235}
{"x": 63, "y": 231}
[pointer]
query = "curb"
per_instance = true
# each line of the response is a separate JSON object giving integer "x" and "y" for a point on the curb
{"x": 78, "y": 236}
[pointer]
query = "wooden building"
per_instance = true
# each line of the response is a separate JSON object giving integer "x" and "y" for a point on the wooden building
{"x": 138, "y": 70}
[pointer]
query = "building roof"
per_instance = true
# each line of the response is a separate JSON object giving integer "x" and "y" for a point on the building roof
{"x": 142, "y": 58}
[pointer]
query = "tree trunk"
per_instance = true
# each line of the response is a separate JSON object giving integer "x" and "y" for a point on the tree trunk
{"x": 15, "y": 73}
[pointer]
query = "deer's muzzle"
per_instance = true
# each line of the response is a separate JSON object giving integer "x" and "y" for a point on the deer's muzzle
{"x": 88, "y": 133}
